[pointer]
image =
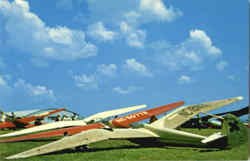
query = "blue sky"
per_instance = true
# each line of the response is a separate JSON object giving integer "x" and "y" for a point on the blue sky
{"x": 92, "y": 55}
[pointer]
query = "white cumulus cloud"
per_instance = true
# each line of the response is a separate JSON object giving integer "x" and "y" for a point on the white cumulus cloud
{"x": 202, "y": 38}
{"x": 20, "y": 92}
{"x": 99, "y": 32}
{"x": 129, "y": 90}
{"x": 5, "y": 90}
{"x": 221, "y": 65}
{"x": 3, "y": 82}
{"x": 130, "y": 15}
{"x": 86, "y": 82}
{"x": 32, "y": 90}
{"x": 27, "y": 32}
{"x": 189, "y": 54}
{"x": 113, "y": 11}
{"x": 157, "y": 9}
{"x": 133, "y": 36}
{"x": 107, "y": 69}
{"x": 184, "y": 79}
{"x": 137, "y": 67}
{"x": 95, "y": 80}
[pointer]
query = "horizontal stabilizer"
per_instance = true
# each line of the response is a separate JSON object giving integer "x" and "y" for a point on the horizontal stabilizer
{"x": 213, "y": 137}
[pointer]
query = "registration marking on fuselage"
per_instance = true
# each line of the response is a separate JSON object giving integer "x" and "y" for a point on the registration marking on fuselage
{"x": 132, "y": 116}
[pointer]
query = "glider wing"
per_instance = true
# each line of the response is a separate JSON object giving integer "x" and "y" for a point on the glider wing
{"x": 115, "y": 112}
{"x": 181, "y": 115}
{"x": 85, "y": 138}
{"x": 54, "y": 133}
{"x": 49, "y": 126}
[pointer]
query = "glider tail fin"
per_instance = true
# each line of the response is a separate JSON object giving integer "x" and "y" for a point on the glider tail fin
{"x": 234, "y": 133}
{"x": 2, "y": 116}
{"x": 235, "y": 130}
{"x": 4, "y": 121}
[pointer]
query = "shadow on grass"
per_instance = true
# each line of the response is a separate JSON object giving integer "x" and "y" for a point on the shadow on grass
{"x": 86, "y": 150}
{"x": 144, "y": 144}
{"x": 210, "y": 150}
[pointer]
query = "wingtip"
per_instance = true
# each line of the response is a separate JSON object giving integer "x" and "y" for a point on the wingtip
{"x": 8, "y": 158}
{"x": 240, "y": 98}
{"x": 2, "y": 136}
{"x": 17, "y": 156}
{"x": 12, "y": 157}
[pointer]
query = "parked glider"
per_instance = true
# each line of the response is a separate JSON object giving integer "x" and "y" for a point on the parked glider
{"x": 162, "y": 129}
{"x": 121, "y": 122}
{"x": 218, "y": 124}
{"x": 207, "y": 121}
{"x": 13, "y": 121}
{"x": 61, "y": 124}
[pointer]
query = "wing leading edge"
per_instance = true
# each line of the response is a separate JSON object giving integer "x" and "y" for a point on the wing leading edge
{"x": 115, "y": 112}
{"x": 183, "y": 114}
{"x": 85, "y": 138}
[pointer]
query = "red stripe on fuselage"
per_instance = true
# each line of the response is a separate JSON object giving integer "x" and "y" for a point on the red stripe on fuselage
{"x": 54, "y": 133}
{"x": 27, "y": 120}
{"x": 126, "y": 120}
{"x": 7, "y": 125}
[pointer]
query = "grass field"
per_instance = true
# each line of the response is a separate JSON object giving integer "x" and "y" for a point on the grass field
{"x": 123, "y": 150}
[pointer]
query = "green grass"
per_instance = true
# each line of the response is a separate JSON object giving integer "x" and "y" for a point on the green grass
{"x": 123, "y": 150}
